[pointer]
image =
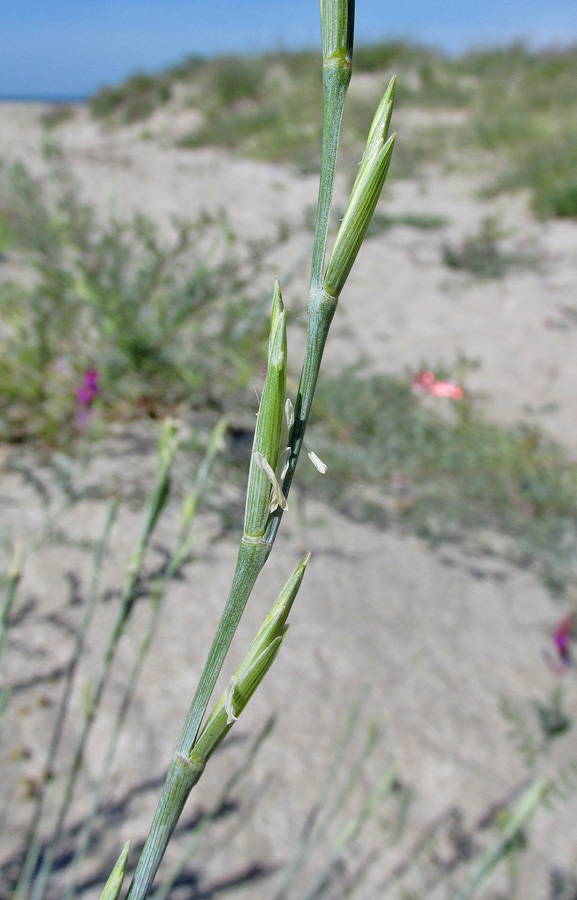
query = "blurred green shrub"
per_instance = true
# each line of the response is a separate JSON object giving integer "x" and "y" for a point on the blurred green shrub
{"x": 57, "y": 115}
{"x": 132, "y": 101}
{"x": 516, "y": 104}
{"x": 524, "y": 110}
{"x": 439, "y": 467}
{"x": 166, "y": 322}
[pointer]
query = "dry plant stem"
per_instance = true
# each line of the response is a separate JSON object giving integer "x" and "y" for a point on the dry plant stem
{"x": 126, "y": 702}
{"x": 167, "y": 450}
{"x": 14, "y": 575}
{"x": 34, "y": 838}
{"x": 189, "y": 509}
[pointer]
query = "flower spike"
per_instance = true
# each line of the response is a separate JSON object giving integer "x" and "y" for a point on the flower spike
{"x": 268, "y": 435}
{"x": 364, "y": 196}
{"x": 251, "y": 671}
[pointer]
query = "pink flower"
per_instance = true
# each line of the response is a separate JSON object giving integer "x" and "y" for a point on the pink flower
{"x": 88, "y": 389}
{"x": 426, "y": 383}
{"x": 562, "y": 639}
{"x": 562, "y": 636}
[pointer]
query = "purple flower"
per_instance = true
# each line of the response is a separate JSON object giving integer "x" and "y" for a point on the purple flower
{"x": 88, "y": 389}
{"x": 562, "y": 639}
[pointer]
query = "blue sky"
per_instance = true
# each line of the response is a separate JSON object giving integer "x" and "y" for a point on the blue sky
{"x": 72, "y": 47}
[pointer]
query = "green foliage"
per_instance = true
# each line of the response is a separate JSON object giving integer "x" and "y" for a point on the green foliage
{"x": 132, "y": 101}
{"x": 236, "y": 78}
{"x": 390, "y": 55}
{"x": 481, "y": 254}
{"x": 517, "y": 105}
{"x": 56, "y": 115}
{"x": 165, "y": 322}
{"x": 535, "y": 725}
{"x": 553, "y": 719}
{"x": 269, "y": 107}
{"x": 441, "y": 472}
{"x": 31, "y": 869}
{"x": 524, "y": 110}
{"x": 561, "y": 200}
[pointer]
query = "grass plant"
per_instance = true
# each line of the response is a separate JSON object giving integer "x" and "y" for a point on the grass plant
{"x": 481, "y": 254}
{"x": 138, "y": 97}
{"x": 52, "y": 801}
{"x": 57, "y": 115}
{"x": 447, "y": 474}
{"x": 128, "y": 291}
{"x": 517, "y": 109}
{"x": 277, "y": 443}
{"x": 161, "y": 323}
{"x": 525, "y": 110}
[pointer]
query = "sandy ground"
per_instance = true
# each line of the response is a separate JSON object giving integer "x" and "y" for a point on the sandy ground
{"x": 440, "y": 636}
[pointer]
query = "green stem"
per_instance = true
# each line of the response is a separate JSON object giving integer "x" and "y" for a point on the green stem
{"x": 14, "y": 575}
{"x": 128, "y": 695}
{"x": 156, "y": 503}
{"x": 181, "y": 778}
{"x": 253, "y": 555}
{"x": 321, "y": 310}
{"x": 189, "y": 510}
{"x": 336, "y": 78}
{"x": 251, "y": 559}
{"x": 222, "y": 801}
{"x": 34, "y": 837}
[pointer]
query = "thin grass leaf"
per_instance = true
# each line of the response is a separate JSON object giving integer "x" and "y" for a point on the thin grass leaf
{"x": 129, "y": 691}
{"x": 351, "y": 830}
{"x": 13, "y": 575}
{"x": 193, "y": 500}
{"x": 523, "y": 812}
{"x": 168, "y": 444}
{"x": 325, "y": 807}
{"x": 113, "y": 886}
{"x": 190, "y": 508}
{"x": 34, "y": 838}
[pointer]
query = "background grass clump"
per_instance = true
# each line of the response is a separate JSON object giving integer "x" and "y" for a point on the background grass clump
{"x": 446, "y": 472}
{"x": 134, "y": 100}
{"x": 167, "y": 322}
{"x": 169, "y": 325}
{"x": 525, "y": 107}
{"x": 512, "y": 107}
{"x": 268, "y": 107}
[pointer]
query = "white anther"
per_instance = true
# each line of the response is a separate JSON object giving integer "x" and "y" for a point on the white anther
{"x": 228, "y": 695}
